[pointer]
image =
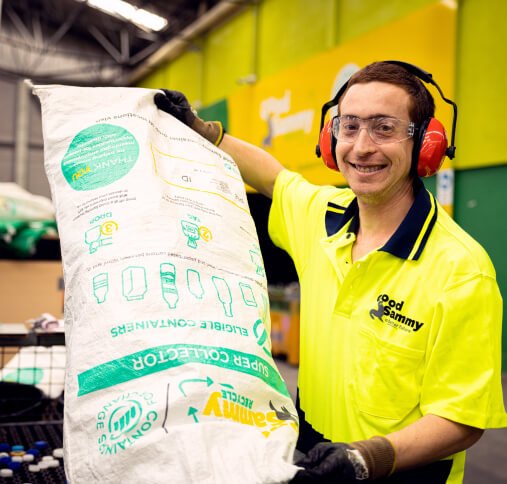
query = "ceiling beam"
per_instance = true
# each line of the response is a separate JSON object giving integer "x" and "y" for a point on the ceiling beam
{"x": 176, "y": 46}
{"x": 67, "y": 24}
{"x": 104, "y": 42}
{"x": 18, "y": 23}
{"x": 125, "y": 46}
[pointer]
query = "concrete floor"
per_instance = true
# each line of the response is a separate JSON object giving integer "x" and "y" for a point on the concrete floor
{"x": 486, "y": 460}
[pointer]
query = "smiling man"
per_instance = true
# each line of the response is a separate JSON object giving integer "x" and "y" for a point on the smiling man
{"x": 400, "y": 309}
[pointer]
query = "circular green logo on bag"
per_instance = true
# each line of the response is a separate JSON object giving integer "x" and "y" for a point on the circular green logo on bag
{"x": 98, "y": 156}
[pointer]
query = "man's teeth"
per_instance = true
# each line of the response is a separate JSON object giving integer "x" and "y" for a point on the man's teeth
{"x": 368, "y": 169}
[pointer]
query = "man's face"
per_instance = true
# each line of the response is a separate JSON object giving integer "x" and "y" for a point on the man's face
{"x": 377, "y": 173}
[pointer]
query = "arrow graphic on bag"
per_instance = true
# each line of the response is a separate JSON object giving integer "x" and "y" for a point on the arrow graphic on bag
{"x": 192, "y": 411}
{"x": 208, "y": 380}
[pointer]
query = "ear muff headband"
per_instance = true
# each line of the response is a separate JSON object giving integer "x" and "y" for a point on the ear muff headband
{"x": 430, "y": 144}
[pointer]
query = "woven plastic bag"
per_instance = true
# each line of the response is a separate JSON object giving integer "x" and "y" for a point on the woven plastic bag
{"x": 169, "y": 373}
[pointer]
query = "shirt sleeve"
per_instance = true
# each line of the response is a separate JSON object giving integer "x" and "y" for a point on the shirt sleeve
{"x": 462, "y": 381}
{"x": 294, "y": 199}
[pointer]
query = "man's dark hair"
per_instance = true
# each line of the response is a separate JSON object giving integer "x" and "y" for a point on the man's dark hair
{"x": 422, "y": 105}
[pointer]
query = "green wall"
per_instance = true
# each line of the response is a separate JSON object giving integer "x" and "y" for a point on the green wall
{"x": 480, "y": 207}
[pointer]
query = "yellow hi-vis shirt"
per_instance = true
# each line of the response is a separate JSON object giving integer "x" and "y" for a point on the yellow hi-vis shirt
{"x": 411, "y": 329}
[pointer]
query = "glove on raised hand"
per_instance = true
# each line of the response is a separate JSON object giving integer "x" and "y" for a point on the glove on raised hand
{"x": 176, "y": 104}
{"x": 335, "y": 463}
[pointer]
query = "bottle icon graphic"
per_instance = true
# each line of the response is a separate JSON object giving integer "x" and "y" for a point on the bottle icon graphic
{"x": 194, "y": 283}
{"x": 224, "y": 294}
{"x": 256, "y": 258}
{"x": 101, "y": 287}
{"x": 96, "y": 238}
{"x": 168, "y": 283}
{"x": 191, "y": 231}
{"x": 134, "y": 283}
{"x": 248, "y": 295}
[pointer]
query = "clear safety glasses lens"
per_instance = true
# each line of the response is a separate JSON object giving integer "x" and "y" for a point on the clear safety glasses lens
{"x": 382, "y": 129}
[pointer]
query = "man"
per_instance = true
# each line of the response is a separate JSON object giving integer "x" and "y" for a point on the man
{"x": 400, "y": 310}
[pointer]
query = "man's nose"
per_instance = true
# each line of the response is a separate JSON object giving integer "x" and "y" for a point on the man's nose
{"x": 364, "y": 141}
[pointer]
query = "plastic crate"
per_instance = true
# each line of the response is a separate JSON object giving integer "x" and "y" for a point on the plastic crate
{"x": 28, "y": 434}
{"x": 31, "y": 400}
{"x": 32, "y": 372}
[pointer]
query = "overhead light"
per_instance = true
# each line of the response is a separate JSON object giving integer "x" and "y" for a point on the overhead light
{"x": 124, "y": 10}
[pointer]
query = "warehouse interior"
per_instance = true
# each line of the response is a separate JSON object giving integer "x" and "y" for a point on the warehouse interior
{"x": 263, "y": 68}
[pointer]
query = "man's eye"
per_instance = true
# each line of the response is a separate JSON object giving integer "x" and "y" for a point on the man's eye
{"x": 349, "y": 126}
{"x": 385, "y": 128}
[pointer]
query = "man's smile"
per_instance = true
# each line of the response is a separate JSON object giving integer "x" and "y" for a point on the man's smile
{"x": 367, "y": 168}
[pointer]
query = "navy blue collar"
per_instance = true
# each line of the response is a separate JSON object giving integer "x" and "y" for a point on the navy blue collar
{"x": 410, "y": 237}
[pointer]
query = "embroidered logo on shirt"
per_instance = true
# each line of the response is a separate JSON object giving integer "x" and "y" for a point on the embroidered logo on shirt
{"x": 390, "y": 312}
{"x": 377, "y": 313}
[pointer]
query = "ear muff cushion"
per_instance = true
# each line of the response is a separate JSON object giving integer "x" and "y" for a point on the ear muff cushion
{"x": 433, "y": 146}
{"x": 327, "y": 146}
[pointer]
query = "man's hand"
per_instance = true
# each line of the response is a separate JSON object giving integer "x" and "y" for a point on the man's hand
{"x": 333, "y": 463}
{"x": 176, "y": 104}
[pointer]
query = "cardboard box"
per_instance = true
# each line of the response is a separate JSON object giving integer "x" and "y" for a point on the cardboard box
{"x": 30, "y": 288}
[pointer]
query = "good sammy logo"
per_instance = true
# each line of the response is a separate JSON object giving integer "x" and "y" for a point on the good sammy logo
{"x": 279, "y": 121}
{"x": 277, "y": 111}
{"x": 391, "y": 312}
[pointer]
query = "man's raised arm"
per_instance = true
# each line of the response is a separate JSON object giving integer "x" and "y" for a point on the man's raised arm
{"x": 257, "y": 167}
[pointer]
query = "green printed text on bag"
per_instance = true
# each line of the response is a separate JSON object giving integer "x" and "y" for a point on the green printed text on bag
{"x": 98, "y": 156}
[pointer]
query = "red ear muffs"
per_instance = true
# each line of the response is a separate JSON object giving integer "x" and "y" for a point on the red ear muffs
{"x": 327, "y": 145}
{"x": 433, "y": 148}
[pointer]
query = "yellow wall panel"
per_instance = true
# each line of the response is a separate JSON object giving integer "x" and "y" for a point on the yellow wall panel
{"x": 357, "y": 17}
{"x": 228, "y": 56}
{"x": 185, "y": 74}
{"x": 290, "y": 31}
{"x": 155, "y": 80}
{"x": 481, "y": 84}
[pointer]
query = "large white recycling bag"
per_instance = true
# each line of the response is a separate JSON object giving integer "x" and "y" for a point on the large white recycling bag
{"x": 169, "y": 372}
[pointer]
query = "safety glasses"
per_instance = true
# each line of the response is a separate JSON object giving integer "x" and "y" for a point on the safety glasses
{"x": 382, "y": 129}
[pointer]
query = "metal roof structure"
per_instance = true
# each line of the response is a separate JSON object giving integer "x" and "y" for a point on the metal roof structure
{"x": 68, "y": 41}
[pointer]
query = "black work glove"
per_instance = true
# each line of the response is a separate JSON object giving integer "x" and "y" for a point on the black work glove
{"x": 331, "y": 463}
{"x": 334, "y": 463}
{"x": 176, "y": 104}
